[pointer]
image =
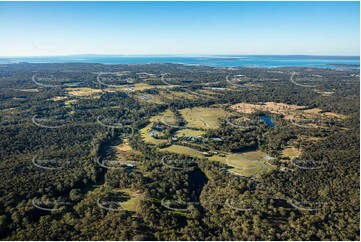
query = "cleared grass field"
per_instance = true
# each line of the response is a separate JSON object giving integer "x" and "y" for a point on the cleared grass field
{"x": 159, "y": 117}
{"x": 144, "y": 131}
{"x": 254, "y": 155}
{"x": 203, "y": 118}
{"x": 278, "y": 108}
{"x": 150, "y": 98}
{"x": 149, "y": 139}
{"x": 58, "y": 98}
{"x": 68, "y": 103}
{"x": 133, "y": 203}
{"x": 244, "y": 164}
{"x": 83, "y": 91}
{"x": 189, "y": 132}
{"x": 221, "y": 159}
{"x": 120, "y": 73}
{"x": 289, "y": 111}
{"x": 124, "y": 146}
{"x": 125, "y": 151}
{"x": 163, "y": 95}
{"x": 186, "y": 95}
{"x": 291, "y": 152}
{"x": 245, "y": 156}
{"x": 120, "y": 153}
{"x": 169, "y": 120}
{"x": 142, "y": 86}
{"x": 178, "y": 149}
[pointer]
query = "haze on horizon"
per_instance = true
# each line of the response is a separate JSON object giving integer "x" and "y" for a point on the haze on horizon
{"x": 181, "y": 28}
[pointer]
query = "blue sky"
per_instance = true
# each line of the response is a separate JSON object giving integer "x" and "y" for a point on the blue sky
{"x": 188, "y": 28}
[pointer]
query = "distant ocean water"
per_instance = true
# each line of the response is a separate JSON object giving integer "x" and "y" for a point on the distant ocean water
{"x": 215, "y": 61}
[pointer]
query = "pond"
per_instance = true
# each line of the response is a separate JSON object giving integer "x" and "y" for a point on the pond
{"x": 268, "y": 120}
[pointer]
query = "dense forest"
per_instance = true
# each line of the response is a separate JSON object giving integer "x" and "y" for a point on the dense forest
{"x": 61, "y": 122}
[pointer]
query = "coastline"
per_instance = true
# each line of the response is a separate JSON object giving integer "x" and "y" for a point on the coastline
{"x": 272, "y": 61}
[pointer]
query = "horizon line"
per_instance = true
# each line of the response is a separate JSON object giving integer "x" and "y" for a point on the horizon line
{"x": 172, "y": 55}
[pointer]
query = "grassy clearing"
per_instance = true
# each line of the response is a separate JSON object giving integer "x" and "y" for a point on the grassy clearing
{"x": 207, "y": 92}
{"x": 58, "y": 98}
{"x": 277, "y": 108}
{"x": 124, "y": 146}
{"x": 142, "y": 86}
{"x": 68, "y": 103}
{"x": 83, "y": 91}
{"x": 190, "y": 132}
{"x": 123, "y": 152}
{"x": 244, "y": 164}
{"x": 132, "y": 204}
{"x": 163, "y": 95}
{"x": 169, "y": 119}
{"x": 181, "y": 95}
{"x": 309, "y": 138}
{"x": 144, "y": 131}
{"x": 120, "y": 73}
{"x": 289, "y": 111}
{"x": 219, "y": 158}
{"x": 158, "y": 118}
{"x": 249, "y": 163}
{"x": 201, "y": 94}
{"x": 291, "y": 152}
{"x": 203, "y": 118}
{"x": 247, "y": 172}
{"x": 150, "y": 98}
{"x": 147, "y": 138}
{"x": 254, "y": 155}
{"x": 178, "y": 149}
